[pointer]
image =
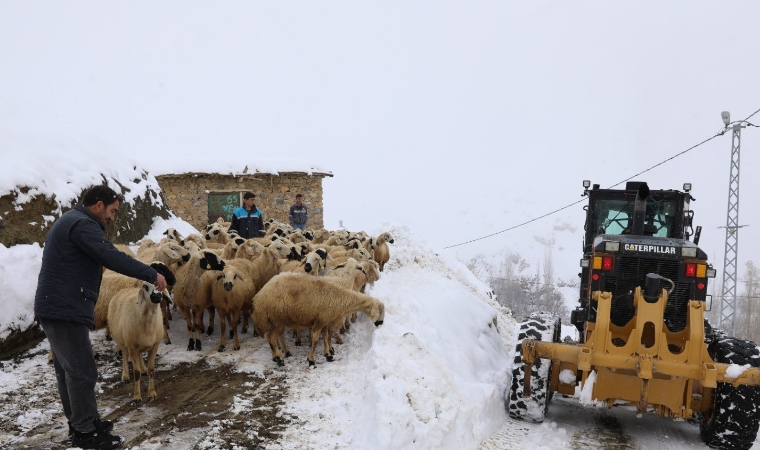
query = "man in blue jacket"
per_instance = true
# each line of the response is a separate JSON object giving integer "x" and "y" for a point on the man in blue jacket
{"x": 247, "y": 220}
{"x": 76, "y": 250}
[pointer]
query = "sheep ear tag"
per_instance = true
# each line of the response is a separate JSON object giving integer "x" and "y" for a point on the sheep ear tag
{"x": 208, "y": 266}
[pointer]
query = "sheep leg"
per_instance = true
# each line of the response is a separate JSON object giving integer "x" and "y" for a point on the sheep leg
{"x": 165, "y": 303}
{"x": 108, "y": 333}
{"x": 197, "y": 327}
{"x": 152, "y": 371}
{"x": 338, "y": 339}
{"x": 165, "y": 316}
{"x": 277, "y": 357}
{"x": 125, "y": 365}
{"x": 328, "y": 344}
{"x": 297, "y": 335}
{"x": 189, "y": 321}
{"x": 353, "y": 317}
{"x": 314, "y": 338}
{"x": 245, "y": 313}
{"x": 233, "y": 330}
{"x": 284, "y": 346}
{"x": 223, "y": 327}
{"x": 211, "y": 314}
{"x": 138, "y": 368}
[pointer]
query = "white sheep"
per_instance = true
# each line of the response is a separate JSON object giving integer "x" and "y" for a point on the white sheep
{"x": 112, "y": 283}
{"x": 172, "y": 233}
{"x": 266, "y": 266}
{"x": 215, "y": 233}
{"x": 135, "y": 320}
{"x": 197, "y": 239}
{"x": 125, "y": 249}
{"x": 382, "y": 252}
{"x": 231, "y": 248}
{"x": 232, "y": 292}
{"x": 250, "y": 249}
{"x": 320, "y": 236}
{"x": 262, "y": 269}
{"x": 302, "y": 301}
{"x": 189, "y": 285}
{"x": 170, "y": 253}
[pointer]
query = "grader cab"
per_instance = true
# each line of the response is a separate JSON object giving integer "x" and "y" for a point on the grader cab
{"x": 643, "y": 338}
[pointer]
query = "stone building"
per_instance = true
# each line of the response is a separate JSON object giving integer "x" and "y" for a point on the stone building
{"x": 200, "y": 198}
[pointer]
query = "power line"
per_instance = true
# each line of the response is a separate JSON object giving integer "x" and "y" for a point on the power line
{"x": 528, "y": 281}
{"x": 720, "y": 133}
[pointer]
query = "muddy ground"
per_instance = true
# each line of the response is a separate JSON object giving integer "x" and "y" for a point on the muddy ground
{"x": 201, "y": 404}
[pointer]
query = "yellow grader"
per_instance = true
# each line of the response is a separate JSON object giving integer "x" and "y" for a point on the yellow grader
{"x": 643, "y": 338}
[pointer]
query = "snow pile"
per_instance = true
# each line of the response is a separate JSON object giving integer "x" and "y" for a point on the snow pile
{"x": 19, "y": 268}
{"x": 436, "y": 372}
{"x": 58, "y": 165}
{"x": 567, "y": 376}
{"x": 734, "y": 371}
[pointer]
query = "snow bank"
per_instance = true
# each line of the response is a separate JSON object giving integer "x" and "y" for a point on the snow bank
{"x": 19, "y": 268}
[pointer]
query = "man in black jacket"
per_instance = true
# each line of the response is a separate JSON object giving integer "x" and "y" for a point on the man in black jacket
{"x": 76, "y": 250}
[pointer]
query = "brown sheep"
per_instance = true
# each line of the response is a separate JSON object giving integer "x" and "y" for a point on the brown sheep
{"x": 302, "y": 301}
{"x": 382, "y": 252}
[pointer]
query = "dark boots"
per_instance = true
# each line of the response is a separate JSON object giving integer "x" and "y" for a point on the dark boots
{"x": 100, "y": 438}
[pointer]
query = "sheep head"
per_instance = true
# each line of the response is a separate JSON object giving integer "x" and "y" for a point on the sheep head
{"x": 377, "y": 313}
{"x": 161, "y": 268}
{"x": 322, "y": 253}
{"x": 174, "y": 234}
{"x": 211, "y": 261}
{"x": 212, "y": 231}
{"x": 228, "y": 277}
{"x": 362, "y": 254}
{"x": 313, "y": 261}
{"x": 249, "y": 249}
{"x": 175, "y": 252}
{"x": 148, "y": 292}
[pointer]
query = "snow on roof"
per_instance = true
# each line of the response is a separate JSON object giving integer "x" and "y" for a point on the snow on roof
{"x": 59, "y": 164}
{"x": 236, "y": 166}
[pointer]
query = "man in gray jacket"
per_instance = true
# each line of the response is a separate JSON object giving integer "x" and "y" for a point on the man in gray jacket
{"x": 76, "y": 250}
{"x": 298, "y": 214}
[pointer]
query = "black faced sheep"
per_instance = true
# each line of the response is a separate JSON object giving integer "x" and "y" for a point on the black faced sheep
{"x": 189, "y": 285}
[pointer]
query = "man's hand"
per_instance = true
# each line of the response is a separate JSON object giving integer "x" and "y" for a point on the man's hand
{"x": 160, "y": 283}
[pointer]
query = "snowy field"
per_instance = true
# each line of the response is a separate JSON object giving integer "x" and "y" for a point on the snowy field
{"x": 431, "y": 377}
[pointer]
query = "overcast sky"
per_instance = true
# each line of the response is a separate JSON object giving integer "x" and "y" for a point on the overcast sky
{"x": 458, "y": 119}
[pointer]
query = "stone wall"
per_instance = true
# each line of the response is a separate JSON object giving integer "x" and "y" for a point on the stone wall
{"x": 187, "y": 194}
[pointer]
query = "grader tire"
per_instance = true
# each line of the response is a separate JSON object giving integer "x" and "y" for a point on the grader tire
{"x": 541, "y": 327}
{"x": 733, "y": 421}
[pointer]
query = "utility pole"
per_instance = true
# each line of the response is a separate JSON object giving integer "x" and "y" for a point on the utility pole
{"x": 728, "y": 297}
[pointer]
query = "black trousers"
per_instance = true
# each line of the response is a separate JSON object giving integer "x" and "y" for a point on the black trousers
{"x": 75, "y": 371}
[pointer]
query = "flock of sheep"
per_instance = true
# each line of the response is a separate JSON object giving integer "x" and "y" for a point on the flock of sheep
{"x": 289, "y": 279}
